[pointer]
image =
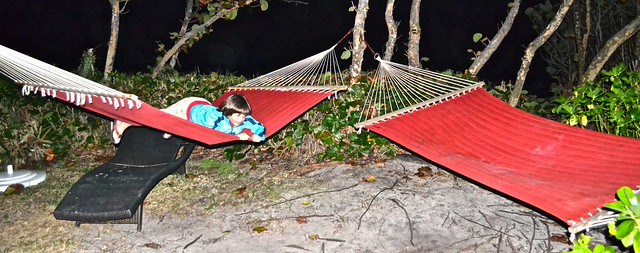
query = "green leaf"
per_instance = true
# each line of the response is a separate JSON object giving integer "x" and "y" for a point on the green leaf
{"x": 617, "y": 206}
{"x": 628, "y": 240}
{"x": 583, "y": 120}
{"x": 345, "y": 55}
{"x": 573, "y": 120}
{"x": 625, "y": 229}
{"x": 626, "y": 195}
{"x": 477, "y": 37}
{"x": 264, "y": 5}
{"x": 232, "y": 14}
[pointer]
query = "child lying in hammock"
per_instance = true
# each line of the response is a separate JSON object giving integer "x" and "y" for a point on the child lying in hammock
{"x": 232, "y": 117}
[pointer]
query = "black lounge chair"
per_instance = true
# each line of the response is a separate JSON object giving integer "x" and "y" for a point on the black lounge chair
{"x": 114, "y": 192}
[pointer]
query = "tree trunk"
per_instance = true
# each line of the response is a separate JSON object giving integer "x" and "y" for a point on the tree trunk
{"x": 496, "y": 41}
{"x": 188, "y": 14}
{"x": 113, "y": 39}
{"x": 582, "y": 36}
{"x": 413, "y": 50}
{"x": 359, "y": 44}
{"x": 609, "y": 47}
{"x": 187, "y": 36}
{"x": 533, "y": 46}
{"x": 392, "y": 27}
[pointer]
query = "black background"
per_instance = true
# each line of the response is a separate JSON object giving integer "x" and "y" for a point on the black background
{"x": 257, "y": 42}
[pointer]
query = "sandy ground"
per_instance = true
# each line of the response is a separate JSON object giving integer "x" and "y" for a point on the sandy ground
{"x": 399, "y": 212}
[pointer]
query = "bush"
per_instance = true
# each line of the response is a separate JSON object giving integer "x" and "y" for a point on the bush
{"x": 611, "y": 104}
{"x": 35, "y": 129}
{"x": 528, "y": 103}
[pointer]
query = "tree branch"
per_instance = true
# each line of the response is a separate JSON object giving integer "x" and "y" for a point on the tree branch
{"x": 609, "y": 47}
{"x": 496, "y": 41}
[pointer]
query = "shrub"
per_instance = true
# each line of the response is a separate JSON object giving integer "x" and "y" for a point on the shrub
{"x": 35, "y": 129}
{"x": 611, "y": 104}
{"x": 528, "y": 103}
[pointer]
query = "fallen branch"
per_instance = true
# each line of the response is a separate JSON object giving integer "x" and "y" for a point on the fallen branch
{"x": 406, "y": 214}
{"x": 192, "y": 242}
{"x": 374, "y": 198}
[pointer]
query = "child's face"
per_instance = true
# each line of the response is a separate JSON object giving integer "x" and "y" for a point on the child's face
{"x": 236, "y": 119}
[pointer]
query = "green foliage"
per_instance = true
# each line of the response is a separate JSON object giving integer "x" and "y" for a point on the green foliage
{"x": 87, "y": 65}
{"x": 35, "y": 130}
{"x": 583, "y": 243}
{"x": 327, "y": 131}
{"x": 346, "y": 54}
{"x": 611, "y": 104}
{"x": 172, "y": 86}
{"x": 222, "y": 169}
{"x": 478, "y": 38}
{"x": 626, "y": 226}
{"x": 528, "y": 103}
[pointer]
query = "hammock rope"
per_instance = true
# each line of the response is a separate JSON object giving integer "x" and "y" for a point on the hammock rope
{"x": 37, "y": 76}
{"x": 317, "y": 72}
{"x": 398, "y": 89}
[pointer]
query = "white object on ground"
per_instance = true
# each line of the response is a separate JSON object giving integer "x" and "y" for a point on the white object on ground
{"x": 24, "y": 177}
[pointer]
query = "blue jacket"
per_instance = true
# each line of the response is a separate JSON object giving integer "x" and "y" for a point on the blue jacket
{"x": 209, "y": 116}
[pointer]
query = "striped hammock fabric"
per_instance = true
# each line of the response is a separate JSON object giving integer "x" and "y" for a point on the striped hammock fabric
{"x": 566, "y": 172}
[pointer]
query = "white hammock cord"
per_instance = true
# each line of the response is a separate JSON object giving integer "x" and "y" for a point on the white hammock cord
{"x": 311, "y": 71}
{"x": 398, "y": 89}
{"x": 37, "y": 76}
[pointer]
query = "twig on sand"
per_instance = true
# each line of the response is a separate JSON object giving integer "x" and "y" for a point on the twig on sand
{"x": 296, "y": 247}
{"x": 192, "y": 242}
{"x": 373, "y": 199}
{"x": 406, "y": 214}
{"x": 299, "y": 197}
{"x": 533, "y": 234}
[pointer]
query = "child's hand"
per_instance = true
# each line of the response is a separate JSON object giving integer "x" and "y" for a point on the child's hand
{"x": 244, "y": 136}
{"x": 256, "y": 138}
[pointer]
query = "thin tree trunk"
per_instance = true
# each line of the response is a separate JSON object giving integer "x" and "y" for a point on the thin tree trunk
{"x": 190, "y": 34}
{"x": 113, "y": 39}
{"x": 609, "y": 47}
{"x": 188, "y": 14}
{"x": 392, "y": 27}
{"x": 496, "y": 41}
{"x": 413, "y": 50}
{"x": 533, "y": 46}
{"x": 582, "y": 36}
{"x": 359, "y": 44}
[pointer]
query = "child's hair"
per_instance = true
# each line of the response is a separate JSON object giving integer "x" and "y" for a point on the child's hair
{"x": 235, "y": 103}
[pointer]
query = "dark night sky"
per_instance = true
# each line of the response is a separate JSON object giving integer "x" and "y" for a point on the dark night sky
{"x": 57, "y": 31}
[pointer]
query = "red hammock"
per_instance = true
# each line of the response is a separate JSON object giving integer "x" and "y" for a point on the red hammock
{"x": 565, "y": 171}
{"x": 273, "y": 107}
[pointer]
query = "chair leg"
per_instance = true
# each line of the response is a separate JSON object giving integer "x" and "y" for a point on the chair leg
{"x": 139, "y": 214}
